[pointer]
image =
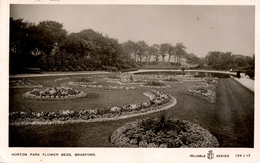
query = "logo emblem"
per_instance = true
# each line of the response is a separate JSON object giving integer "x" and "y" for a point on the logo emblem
{"x": 210, "y": 155}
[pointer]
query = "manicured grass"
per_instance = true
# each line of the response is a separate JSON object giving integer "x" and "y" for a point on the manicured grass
{"x": 230, "y": 120}
{"x": 94, "y": 100}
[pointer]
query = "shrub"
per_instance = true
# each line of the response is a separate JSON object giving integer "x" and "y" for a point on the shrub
{"x": 154, "y": 83}
{"x": 250, "y": 73}
{"x": 171, "y": 79}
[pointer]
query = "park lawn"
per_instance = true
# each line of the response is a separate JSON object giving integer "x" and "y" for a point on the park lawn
{"x": 94, "y": 100}
{"x": 231, "y": 120}
{"x": 79, "y": 135}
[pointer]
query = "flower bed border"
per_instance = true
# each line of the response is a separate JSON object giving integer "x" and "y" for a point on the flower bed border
{"x": 152, "y": 109}
{"x": 26, "y": 86}
{"x": 72, "y": 78}
{"x": 165, "y": 81}
{"x": 149, "y": 86}
{"x": 211, "y": 99}
{"x": 28, "y": 95}
{"x": 122, "y": 83}
{"x": 115, "y": 88}
{"x": 193, "y": 80}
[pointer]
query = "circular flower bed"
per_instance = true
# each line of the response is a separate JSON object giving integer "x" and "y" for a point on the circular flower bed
{"x": 162, "y": 133}
{"x": 158, "y": 101}
{"x": 55, "y": 93}
{"x": 205, "y": 92}
{"x": 23, "y": 83}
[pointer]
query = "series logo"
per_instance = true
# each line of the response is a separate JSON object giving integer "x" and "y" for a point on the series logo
{"x": 210, "y": 155}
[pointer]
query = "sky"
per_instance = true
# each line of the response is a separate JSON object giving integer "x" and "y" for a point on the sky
{"x": 200, "y": 28}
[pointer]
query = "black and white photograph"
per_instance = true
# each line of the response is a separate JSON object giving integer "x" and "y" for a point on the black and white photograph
{"x": 129, "y": 82}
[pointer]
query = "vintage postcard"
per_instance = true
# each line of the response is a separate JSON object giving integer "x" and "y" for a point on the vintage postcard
{"x": 129, "y": 81}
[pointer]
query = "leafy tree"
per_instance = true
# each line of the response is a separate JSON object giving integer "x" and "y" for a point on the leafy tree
{"x": 179, "y": 51}
{"x": 164, "y": 48}
{"x": 142, "y": 49}
{"x": 192, "y": 59}
{"x": 153, "y": 51}
{"x": 171, "y": 51}
{"x": 51, "y": 35}
{"x": 22, "y": 45}
{"x": 226, "y": 61}
{"x": 128, "y": 48}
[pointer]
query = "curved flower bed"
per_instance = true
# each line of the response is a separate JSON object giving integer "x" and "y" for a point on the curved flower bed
{"x": 154, "y": 84}
{"x": 54, "y": 93}
{"x": 115, "y": 88}
{"x": 193, "y": 79}
{"x": 23, "y": 83}
{"x": 158, "y": 101}
{"x": 153, "y": 133}
{"x": 170, "y": 80}
{"x": 124, "y": 82}
{"x": 97, "y": 76}
{"x": 80, "y": 80}
{"x": 124, "y": 78}
{"x": 205, "y": 92}
{"x": 158, "y": 76}
{"x": 211, "y": 80}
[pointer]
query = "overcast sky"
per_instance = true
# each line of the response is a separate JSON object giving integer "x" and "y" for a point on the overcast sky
{"x": 200, "y": 28}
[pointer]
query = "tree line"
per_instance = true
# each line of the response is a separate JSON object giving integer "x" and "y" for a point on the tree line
{"x": 228, "y": 61}
{"x": 49, "y": 46}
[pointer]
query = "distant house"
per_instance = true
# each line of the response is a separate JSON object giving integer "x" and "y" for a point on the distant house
{"x": 184, "y": 62}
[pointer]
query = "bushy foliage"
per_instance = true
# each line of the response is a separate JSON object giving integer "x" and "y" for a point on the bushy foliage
{"x": 154, "y": 83}
{"x": 226, "y": 61}
{"x": 50, "y": 47}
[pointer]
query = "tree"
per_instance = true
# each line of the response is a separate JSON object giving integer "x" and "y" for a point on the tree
{"x": 128, "y": 48}
{"x": 226, "y": 61}
{"x": 179, "y": 51}
{"x": 213, "y": 59}
{"x": 155, "y": 52}
{"x": 142, "y": 49}
{"x": 171, "y": 52}
{"x": 192, "y": 59}
{"x": 51, "y": 35}
{"x": 164, "y": 48}
{"x": 23, "y": 44}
